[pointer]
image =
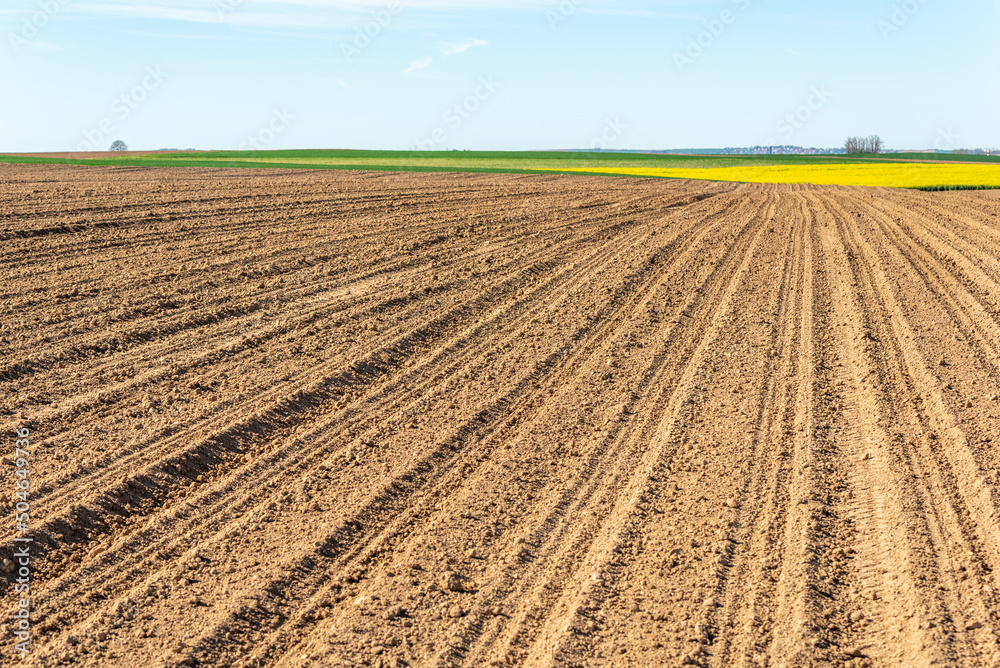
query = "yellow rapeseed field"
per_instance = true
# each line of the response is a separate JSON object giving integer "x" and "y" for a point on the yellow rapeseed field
{"x": 891, "y": 175}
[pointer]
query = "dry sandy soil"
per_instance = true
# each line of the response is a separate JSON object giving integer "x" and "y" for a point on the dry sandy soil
{"x": 370, "y": 419}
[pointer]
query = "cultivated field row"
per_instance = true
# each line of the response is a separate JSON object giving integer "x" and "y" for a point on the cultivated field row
{"x": 330, "y": 418}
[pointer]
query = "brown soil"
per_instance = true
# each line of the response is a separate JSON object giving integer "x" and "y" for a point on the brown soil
{"x": 334, "y": 418}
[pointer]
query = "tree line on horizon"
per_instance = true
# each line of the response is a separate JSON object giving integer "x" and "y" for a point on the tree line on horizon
{"x": 869, "y": 144}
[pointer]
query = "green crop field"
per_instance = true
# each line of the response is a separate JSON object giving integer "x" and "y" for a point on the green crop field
{"x": 900, "y": 169}
{"x": 956, "y": 157}
{"x": 436, "y": 161}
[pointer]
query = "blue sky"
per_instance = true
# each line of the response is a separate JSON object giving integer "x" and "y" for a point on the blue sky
{"x": 497, "y": 74}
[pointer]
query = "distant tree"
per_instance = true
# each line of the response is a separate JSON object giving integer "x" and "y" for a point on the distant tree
{"x": 870, "y": 144}
{"x": 119, "y": 145}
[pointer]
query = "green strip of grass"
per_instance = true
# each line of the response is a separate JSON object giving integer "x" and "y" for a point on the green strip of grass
{"x": 944, "y": 188}
{"x": 953, "y": 157}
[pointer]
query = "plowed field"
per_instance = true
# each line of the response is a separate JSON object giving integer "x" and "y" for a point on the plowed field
{"x": 314, "y": 418}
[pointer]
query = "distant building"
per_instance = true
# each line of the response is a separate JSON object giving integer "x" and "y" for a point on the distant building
{"x": 780, "y": 150}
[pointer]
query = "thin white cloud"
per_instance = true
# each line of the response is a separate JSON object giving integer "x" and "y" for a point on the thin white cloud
{"x": 193, "y": 15}
{"x": 462, "y": 47}
{"x": 303, "y": 13}
{"x": 418, "y": 66}
{"x": 237, "y": 17}
{"x": 694, "y": 13}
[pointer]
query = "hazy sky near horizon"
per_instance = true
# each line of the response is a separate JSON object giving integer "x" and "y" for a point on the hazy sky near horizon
{"x": 497, "y": 74}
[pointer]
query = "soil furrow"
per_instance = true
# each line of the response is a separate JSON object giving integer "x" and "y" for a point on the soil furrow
{"x": 310, "y": 418}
